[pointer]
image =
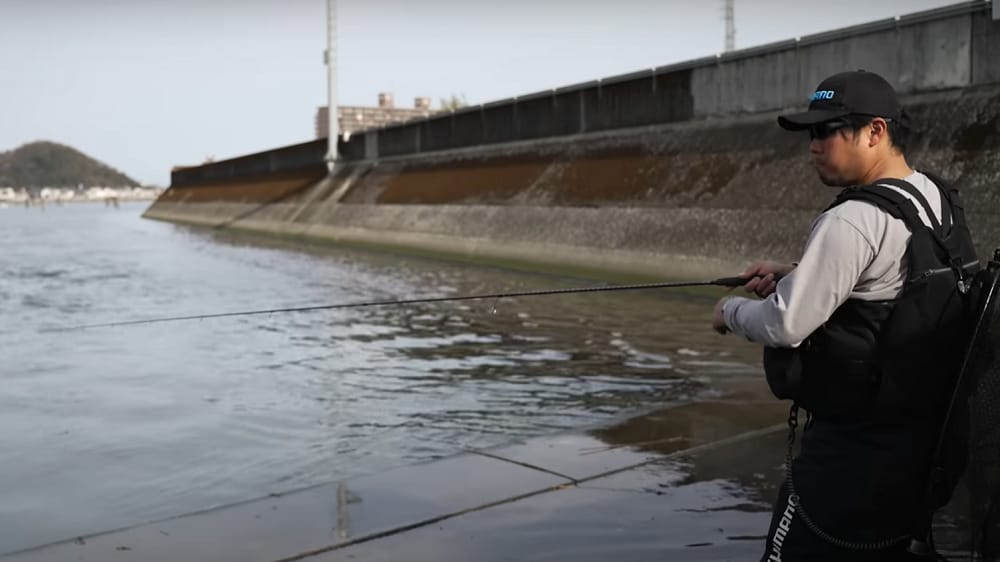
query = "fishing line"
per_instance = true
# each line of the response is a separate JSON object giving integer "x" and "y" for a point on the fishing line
{"x": 721, "y": 282}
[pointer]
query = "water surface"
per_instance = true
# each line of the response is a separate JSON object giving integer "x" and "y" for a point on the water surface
{"x": 113, "y": 427}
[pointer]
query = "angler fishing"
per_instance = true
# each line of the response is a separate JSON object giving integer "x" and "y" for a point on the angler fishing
{"x": 884, "y": 332}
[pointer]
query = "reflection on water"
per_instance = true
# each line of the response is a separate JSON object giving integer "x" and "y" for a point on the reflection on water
{"x": 106, "y": 428}
{"x": 696, "y": 505}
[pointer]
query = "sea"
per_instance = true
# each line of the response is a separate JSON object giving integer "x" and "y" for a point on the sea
{"x": 108, "y": 427}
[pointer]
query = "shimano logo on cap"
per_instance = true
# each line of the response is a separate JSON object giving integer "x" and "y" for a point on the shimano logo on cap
{"x": 822, "y": 95}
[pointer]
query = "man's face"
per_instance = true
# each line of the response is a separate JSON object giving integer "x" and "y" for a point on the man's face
{"x": 837, "y": 153}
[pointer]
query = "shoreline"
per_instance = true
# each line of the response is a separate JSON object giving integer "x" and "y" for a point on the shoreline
{"x": 395, "y": 507}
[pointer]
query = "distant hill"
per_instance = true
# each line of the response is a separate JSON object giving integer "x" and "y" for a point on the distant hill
{"x": 48, "y": 164}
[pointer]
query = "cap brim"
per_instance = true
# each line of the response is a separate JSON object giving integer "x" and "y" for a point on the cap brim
{"x": 806, "y": 119}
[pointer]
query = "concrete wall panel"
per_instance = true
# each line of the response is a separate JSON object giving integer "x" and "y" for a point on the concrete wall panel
{"x": 500, "y": 123}
{"x": 621, "y": 104}
{"x": 546, "y": 117}
{"x": 706, "y": 90}
{"x": 672, "y": 95}
{"x": 874, "y": 52}
{"x": 985, "y": 49}
{"x": 761, "y": 83}
{"x": 468, "y": 129}
{"x": 371, "y": 145}
{"x": 731, "y": 80}
{"x": 437, "y": 133}
{"x": 943, "y": 52}
{"x": 401, "y": 139}
{"x": 645, "y": 100}
{"x": 788, "y": 89}
{"x": 569, "y": 109}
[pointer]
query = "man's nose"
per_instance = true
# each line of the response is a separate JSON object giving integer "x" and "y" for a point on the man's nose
{"x": 815, "y": 146}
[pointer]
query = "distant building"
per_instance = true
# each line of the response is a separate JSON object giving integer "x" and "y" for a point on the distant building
{"x": 354, "y": 118}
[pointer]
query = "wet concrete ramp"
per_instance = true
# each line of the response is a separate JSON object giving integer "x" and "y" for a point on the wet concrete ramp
{"x": 690, "y": 482}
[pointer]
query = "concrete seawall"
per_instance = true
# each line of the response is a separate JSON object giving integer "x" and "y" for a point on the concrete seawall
{"x": 683, "y": 200}
{"x": 675, "y": 172}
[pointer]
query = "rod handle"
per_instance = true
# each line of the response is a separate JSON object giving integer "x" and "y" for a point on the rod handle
{"x": 730, "y": 281}
{"x": 739, "y": 281}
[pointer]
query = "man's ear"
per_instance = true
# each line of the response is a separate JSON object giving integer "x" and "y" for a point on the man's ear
{"x": 879, "y": 132}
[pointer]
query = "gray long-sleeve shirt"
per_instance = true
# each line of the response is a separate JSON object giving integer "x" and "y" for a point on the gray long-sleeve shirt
{"x": 854, "y": 250}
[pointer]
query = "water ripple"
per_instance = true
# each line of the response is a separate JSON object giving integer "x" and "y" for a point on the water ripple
{"x": 163, "y": 419}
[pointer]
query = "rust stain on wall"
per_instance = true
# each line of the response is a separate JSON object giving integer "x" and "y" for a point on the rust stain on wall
{"x": 485, "y": 181}
{"x": 253, "y": 189}
{"x": 619, "y": 176}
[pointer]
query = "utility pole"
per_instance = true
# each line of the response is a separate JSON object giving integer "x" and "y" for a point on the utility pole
{"x": 331, "y": 73}
{"x": 730, "y": 26}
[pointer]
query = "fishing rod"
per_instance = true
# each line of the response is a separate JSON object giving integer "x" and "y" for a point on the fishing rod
{"x": 721, "y": 282}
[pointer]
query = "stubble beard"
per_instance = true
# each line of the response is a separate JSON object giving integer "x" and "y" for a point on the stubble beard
{"x": 834, "y": 181}
{"x": 831, "y": 180}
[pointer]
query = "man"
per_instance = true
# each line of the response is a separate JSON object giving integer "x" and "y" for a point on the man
{"x": 845, "y": 338}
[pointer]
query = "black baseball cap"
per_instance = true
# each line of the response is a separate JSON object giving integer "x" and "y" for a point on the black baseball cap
{"x": 857, "y": 92}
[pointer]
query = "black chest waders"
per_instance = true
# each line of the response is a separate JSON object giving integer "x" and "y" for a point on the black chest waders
{"x": 794, "y": 499}
{"x": 878, "y": 360}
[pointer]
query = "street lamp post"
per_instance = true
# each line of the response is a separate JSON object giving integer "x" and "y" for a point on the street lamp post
{"x": 730, "y": 26}
{"x": 331, "y": 73}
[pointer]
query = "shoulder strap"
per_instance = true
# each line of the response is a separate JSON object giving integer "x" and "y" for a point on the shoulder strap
{"x": 889, "y": 200}
{"x": 949, "y": 197}
{"x": 898, "y": 206}
{"x": 963, "y": 251}
{"x": 919, "y": 197}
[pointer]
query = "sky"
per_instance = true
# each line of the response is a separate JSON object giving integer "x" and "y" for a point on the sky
{"x": 144, "y": 85}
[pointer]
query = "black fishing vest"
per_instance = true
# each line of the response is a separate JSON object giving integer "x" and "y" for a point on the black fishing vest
{"x": 893, "y": 358}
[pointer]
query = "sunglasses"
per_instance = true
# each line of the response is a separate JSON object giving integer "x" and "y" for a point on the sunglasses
{"x": 822, "y": 131}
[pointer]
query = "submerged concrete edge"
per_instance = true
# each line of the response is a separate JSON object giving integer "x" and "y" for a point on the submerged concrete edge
{"x": 40, "y": 552}
{"x": 570, "y": 483}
